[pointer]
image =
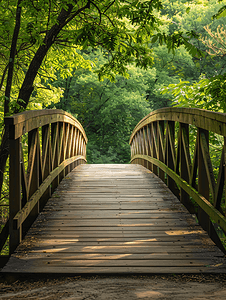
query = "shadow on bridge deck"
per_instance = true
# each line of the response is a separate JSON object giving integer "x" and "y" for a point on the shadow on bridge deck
{"x": 115, "y": 219}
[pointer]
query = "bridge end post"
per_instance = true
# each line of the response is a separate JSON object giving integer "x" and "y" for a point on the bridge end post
{"x": 15, "y": 235}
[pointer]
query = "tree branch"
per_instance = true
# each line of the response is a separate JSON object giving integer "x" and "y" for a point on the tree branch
{"x": 3, "y": 76}
{"x": 98, "y": 11}
{"x": 63, "y": 19}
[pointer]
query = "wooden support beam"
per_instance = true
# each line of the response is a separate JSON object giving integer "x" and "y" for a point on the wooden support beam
{"x": 14, "y": 192}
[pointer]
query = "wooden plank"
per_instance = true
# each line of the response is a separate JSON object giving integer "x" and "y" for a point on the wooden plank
{"x": 115, "y": 235}
{"x": 122, "y": 249}
{"x": 122, "y": 223}
{"x": 71, "y": 242}
{"x": 47, "y": 268}
{"x": 61, "y": 262}
{"x": 95, "y": 214}
{"x": 111, "y": 256}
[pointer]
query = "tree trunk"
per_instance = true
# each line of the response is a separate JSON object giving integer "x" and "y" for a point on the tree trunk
{"x": 4, "y": 154}
{"x": 12, "y": 58}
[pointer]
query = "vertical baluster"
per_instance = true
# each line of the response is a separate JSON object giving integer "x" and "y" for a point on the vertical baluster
{"x": 139, "y": 147}
{"x": 77, "y": 146}
{"x": 71, "y": 151}
{"x": 203, "y": 185}
{"x": 46, "y": 162}
{"x": 84, "y": 147}
{"x": 70, "y": 146}
{"x": 71, "y": 135}
{"x": 79, "y": 143}
{"x": 142, "y": 146}
{"x": 133, "y": 149}
{"x": 145, "y": 146}
{"x": 136, "y": 148}
{"x": 84, "y": 151}
{"x": 32, "y": 175}
{"x": 67, "y": 142}
{"x": 160, "y": 135}
{"x": 61, "y": 156}
{"x": 185, "y": 165}
{"x": 170, "y": 154}
{"x": 154, "y": 145}
{"x": 150, "y": 148}
{"x": 14, "y": 192}
{"x": 55, "y": 151}
{"x": 73, "y": 146}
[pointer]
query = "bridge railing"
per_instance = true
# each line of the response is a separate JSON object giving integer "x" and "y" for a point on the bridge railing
{"x": 44, "y": 146}
{"x": 163, "y": 143}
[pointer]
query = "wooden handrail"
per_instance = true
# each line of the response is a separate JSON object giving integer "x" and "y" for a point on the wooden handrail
{"x": 55, "y": 143}
{"x": 187, "y": 170}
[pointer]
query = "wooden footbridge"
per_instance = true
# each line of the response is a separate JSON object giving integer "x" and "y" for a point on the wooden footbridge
{"x": 160, "y": 214}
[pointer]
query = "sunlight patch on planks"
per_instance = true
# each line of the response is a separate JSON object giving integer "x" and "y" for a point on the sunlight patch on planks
{"x": 115, "y": 219}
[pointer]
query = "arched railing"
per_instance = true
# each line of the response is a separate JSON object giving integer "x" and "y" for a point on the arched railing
{"x": 174, "y": 144}
{"x": 44, "y": 146}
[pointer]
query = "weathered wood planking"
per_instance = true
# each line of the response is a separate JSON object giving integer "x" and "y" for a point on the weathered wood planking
{"x": 115, "y": 219}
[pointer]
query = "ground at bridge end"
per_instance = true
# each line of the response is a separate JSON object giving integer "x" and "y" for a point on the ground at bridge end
{"x": 175, "y": 287}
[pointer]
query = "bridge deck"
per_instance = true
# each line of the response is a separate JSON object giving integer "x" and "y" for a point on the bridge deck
{"x": 115, "y": 219}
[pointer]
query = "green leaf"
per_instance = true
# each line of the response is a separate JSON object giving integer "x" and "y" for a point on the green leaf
{"x": 188, "y": 10}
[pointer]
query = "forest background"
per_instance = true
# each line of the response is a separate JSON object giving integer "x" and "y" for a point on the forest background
{"x": 105, "y": 76}
{"x": 109, "y": 109}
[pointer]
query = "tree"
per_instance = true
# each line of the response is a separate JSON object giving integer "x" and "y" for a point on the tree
{"x": 42, "y": 29}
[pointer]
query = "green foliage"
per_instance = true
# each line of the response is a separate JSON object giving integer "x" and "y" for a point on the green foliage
{"x": 108, "y": 110}
{"x": 208, "y": 94}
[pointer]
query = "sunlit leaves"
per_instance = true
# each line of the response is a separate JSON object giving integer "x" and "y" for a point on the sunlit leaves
{"x": 207, "y": 93}
{"x": 221, "y": 13}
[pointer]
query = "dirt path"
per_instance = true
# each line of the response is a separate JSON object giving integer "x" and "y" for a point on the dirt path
{"x": 178, "y": 287}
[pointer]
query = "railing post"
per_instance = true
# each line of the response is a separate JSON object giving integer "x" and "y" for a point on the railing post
{"x": 14, "y": 192}
{"x": 203, "y": 189}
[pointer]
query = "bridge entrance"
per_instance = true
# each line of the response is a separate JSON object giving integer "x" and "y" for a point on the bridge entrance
{"x": 115, "y": 219}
